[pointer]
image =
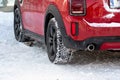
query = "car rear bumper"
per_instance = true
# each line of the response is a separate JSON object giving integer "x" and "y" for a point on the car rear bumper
{"x": 100, "y": 43}
{"x": 92, "y": 33}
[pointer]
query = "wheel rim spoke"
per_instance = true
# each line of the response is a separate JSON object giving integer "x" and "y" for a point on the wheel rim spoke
{"x": 17, "y": 32}
{"x": 50, "y": 41}
{"x": 17, "y": 18}
{"x": 51, "y": 32}
{"x": 51, "y": 50}
{"x": 54, "y": 42}
{"x": 18, "y": 25}
{"x": 20, "y": 36}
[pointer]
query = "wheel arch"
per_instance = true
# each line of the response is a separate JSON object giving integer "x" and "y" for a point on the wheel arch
{"x": 53, "y": 11}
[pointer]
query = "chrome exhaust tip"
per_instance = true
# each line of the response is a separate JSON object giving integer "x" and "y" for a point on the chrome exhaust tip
{"x": 91, "y": 47}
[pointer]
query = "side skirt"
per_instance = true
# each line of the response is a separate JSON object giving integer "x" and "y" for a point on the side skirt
{"x": 35, "y": 36}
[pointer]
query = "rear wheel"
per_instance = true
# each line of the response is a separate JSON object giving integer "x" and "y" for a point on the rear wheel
{"x": 18, "y": 28}
{"x": 57, "y": 52}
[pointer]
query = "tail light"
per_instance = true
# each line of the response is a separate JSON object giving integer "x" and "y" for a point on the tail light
{"x": 77, "y": 7}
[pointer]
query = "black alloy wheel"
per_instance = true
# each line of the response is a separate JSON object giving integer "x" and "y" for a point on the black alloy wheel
{"x": 52, "y": 41}
{"x": 18, "y": 28}
{"x": 57, "y": 52}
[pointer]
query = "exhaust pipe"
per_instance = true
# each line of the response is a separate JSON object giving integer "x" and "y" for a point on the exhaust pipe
{"x": 91, "y": 47}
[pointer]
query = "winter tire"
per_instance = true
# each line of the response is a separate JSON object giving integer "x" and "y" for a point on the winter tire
{"x": 18, "y": 28}
{"x": 57, "y": 52}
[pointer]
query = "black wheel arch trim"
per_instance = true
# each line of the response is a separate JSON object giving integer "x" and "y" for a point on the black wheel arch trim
{"x": 52, "y": 9}
{"x": 67, "y": 40}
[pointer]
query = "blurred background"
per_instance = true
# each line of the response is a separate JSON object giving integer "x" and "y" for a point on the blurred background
{"x": 6, "y": 5}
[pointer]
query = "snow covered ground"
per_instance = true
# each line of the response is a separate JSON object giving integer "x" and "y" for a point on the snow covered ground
{"x": 20, "y": 62}
{"x": 10, "y": 2}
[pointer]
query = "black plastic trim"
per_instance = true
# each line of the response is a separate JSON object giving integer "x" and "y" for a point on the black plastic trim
{"x": 35, "y": 36}
{"x": 52, "y": 9}
{"x": 97, "y": 41}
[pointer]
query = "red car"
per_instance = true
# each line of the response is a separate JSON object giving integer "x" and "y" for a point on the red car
{"x": 68, "y": 25}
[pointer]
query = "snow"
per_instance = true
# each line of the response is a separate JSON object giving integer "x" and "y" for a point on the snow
{"x": 113, "y": 24}
{"x": 10, "y": 2}
{"x": 109, "y": 16}
{"x": 20, "y": 62}
{"x": 107, "y": 8}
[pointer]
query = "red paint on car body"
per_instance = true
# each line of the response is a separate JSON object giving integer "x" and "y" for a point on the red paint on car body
{"x": 94, "y": 24}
